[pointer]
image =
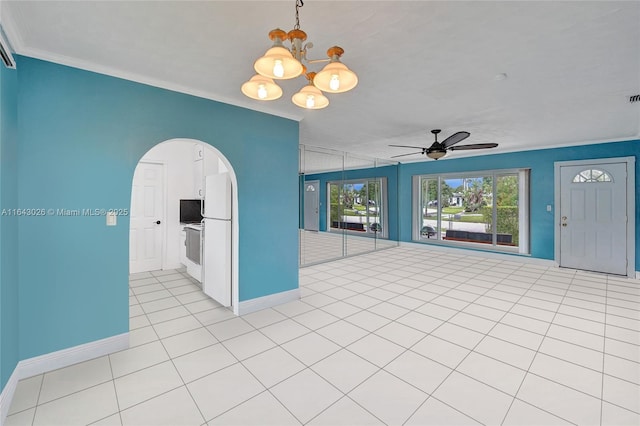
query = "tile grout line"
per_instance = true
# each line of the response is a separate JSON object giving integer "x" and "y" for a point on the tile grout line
{"x": 170, "y": 358}
{"x": 470, "y": 351}
{"x": 422, "y": 303}
{"x": 469, "y": 303}
{"x": 38, "y": 404}
{"x": 306, "y": 367}
{"x": 144, "y": 368}
{"x": 513, "y": 305}
{"x": 238, "y": 361}
{"x": 115, "y": 390}
{"x": 604, "y": 352}
{"x": 35, "y": 411}
{"x": 533, "y": 360}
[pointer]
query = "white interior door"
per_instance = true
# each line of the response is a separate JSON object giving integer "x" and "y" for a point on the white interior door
{"x": 311, "y": 205}
{"x": 147, "y": 218}
{"x": 593, "y": 217}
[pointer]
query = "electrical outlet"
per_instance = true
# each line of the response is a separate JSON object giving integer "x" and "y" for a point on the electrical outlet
{"x": 112, "y": 219}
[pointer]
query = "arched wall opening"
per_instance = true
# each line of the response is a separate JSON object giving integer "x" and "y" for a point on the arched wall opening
{"x": 176, "y": 159}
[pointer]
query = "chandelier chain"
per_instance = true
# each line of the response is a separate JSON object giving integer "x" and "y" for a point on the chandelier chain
{"x": 299, "y": 4}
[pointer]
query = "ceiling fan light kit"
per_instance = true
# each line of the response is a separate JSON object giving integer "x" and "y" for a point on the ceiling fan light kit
{"x": 281, "y": 63}
{"x": 436, "y": 154}
{"x": 438, "y": 150}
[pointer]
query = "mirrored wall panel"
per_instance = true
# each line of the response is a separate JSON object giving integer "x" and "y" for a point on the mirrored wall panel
{"x": 348, "y": 205}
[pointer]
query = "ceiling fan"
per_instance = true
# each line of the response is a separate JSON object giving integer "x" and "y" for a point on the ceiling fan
{"x": 439, "y": 149}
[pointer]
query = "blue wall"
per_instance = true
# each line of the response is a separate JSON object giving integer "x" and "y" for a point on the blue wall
{"x": 389, "y": 172}
{"x": 9, "y": 355}
{"x": 541, "y": 163}
{"x": 81, "y": 135}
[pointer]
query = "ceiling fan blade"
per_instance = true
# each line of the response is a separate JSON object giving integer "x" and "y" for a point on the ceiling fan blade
{"x": 404, "y": 155}
{"x": 406, "y": 146}
{"x": 473, "y": 146}
{"x": 454, "y": 139}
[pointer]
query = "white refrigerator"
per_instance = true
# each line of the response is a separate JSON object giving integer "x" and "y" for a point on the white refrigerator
{"x": 216, "y": 238}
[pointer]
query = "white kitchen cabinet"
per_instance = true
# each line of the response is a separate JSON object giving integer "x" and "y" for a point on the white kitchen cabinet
{"x": 205, "y": 164}
{"x": 198, "y": 151}
{"x": 198, "y": 178}
{"x": 209, "y": 163}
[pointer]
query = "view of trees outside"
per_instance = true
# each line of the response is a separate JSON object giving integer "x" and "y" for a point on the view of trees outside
{"x": 356, "y": 205}
{"x": 507, "y": 214}
{"x": 466, "y": 204}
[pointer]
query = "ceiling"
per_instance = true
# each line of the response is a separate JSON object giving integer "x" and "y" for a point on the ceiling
{"x": 570, "y": 66}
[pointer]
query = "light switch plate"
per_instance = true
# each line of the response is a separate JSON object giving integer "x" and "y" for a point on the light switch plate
{"x": 111, "y": 219}
{"x": 548, "y": 207}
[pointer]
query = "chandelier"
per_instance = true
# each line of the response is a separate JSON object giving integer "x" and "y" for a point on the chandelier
{"x": 282, "y": 63}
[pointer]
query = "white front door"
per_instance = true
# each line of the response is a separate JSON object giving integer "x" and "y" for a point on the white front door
{"x": 147, "y": 218}
{"x": 311, "y": 205}
{"x": 593, "y": 217}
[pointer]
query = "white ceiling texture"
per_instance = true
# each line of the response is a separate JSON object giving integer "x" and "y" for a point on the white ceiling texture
{"x": 570, "y": 66}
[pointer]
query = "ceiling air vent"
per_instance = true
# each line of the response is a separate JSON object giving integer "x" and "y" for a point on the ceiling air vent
{"x": 5, "y": 53}
{"x": 634, "y": 98}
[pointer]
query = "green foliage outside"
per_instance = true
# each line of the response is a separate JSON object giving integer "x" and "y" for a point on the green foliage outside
{"x": 335, "y": 212}
{"x": 507, "y": 191}
{"x": 471, "y": 218}
{"x": 452, "y": 210}
{"x": 478, "y": 197}
{"x": 474, "y": 196}
{"x": 344, "y": 200}
{"x": 334, "y": 198}
{"x": 507, "y": 218}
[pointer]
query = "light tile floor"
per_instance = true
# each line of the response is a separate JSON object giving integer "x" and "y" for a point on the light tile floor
{"x": 400, "y": 336}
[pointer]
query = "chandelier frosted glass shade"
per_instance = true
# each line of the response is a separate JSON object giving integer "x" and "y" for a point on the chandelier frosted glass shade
{"x": 282, "y": 63}
{"x": 335, "y": 77}
{"x": 310, "y": 97}
{"x": 261, "y": 88}
{"x": 278, "y": 63}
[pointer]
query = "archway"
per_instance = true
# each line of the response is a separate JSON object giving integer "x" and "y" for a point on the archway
{"x": 177, "y": 159}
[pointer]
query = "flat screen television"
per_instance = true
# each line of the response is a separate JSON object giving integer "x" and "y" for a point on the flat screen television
{"x": 190, "y": 211}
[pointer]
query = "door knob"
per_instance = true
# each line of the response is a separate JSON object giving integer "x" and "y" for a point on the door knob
{"x": 157, "y": 222}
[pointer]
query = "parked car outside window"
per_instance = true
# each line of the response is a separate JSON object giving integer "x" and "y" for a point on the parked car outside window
{"x": 428, "y": 231}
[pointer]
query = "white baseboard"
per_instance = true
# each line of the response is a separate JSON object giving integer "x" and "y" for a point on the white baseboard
{"x": 264, "y": 302}
{"x": 176, "y": 265}
{"x": 6, "y": 396}
{"x": 59, "y": 359}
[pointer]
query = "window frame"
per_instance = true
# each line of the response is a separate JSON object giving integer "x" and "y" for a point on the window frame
{"x": 383, "y": 210}
{"x": 580, "y": 178}
{"x": 524, "y": 219}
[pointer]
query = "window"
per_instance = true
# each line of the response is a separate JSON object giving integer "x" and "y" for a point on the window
{"x": 358, "y": 206}
{"x": 591, "y": 176}
{"x": 486, "y": 209}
